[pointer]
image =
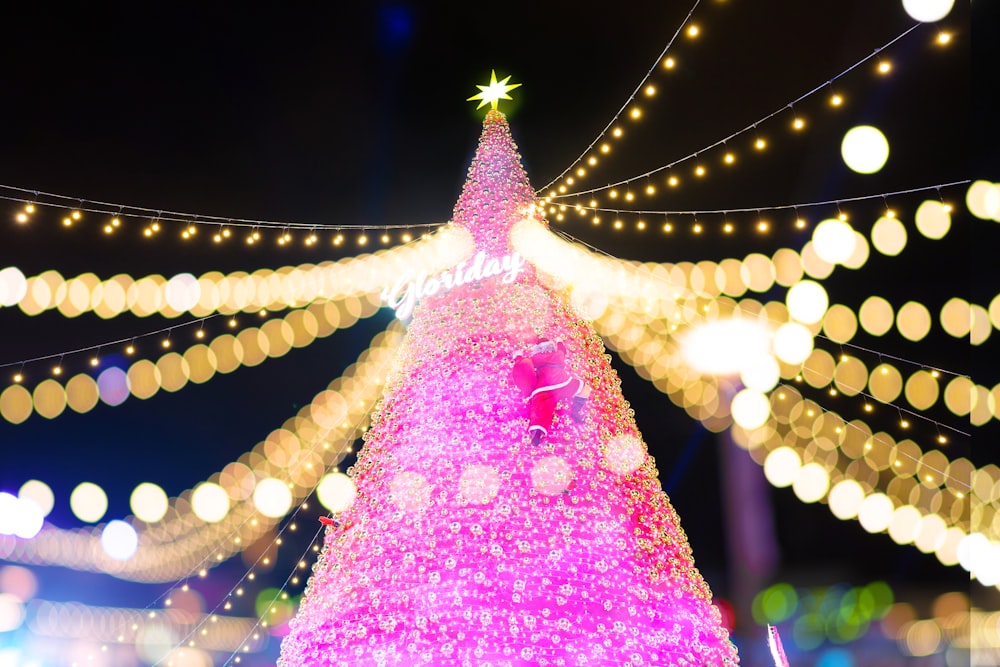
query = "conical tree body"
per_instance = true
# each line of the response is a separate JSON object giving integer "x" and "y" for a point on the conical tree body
{"x": 468, "y": 544}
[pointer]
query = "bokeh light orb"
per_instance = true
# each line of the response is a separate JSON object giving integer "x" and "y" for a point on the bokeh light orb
{"x": 624, "y": 454}
{"x": 149, "y": 502}
{"x": 13, "y": 286}
{"x": 833, "y": 240}
{"x": 807, "y": 301}
{"x": 19, "y": 516}
{"x": 182, "y": 292}
{"x": 19, "y": 582}
{"x": 889, "y": 236}
{"x": 845, "y": 499}
{"x": 272, "y": 498}
{"x": 750, "y": 408}
{"x": 154, "y": 641}
{"x": 11, "y": 613}
{"x": 983, "y": 200}
{"x": 39, "y": 493}
{"x": 762, "y": 374}
{"x": 781, "y": 466}
{"x": 927, "y": 11}
{"x": 479, "y": 484}
{"x": 8, "y": 512}
{"x": 88, "y": 502}
{"x": 864, "y": 149}
{"x": 876, "y": 512}
{"x": 29, "y": 520}
{"x": 811, "y": 483}
{"x": 933, "y": 219}
{"x": 336, "y": 492}
{"x": 793, "y": 343}
{"x": 119, "y": 540}
{"x": 724, "y": 346}
{"x": 551, "y": 475}
{"x": 210, "y": 502}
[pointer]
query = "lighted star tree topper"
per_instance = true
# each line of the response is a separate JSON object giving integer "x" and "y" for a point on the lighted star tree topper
{"x": 494, "y": 92}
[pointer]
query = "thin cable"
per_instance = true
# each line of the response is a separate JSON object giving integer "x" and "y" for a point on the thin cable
{"x": 884, "y": 355}
{"x": 161, "y": 215}
{"x": 779, "y": 207}
{"x": 738, "y": 132}
{"x": 630, "y": 98}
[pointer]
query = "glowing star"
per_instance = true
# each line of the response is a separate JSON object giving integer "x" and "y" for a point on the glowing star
{"x": 493, "y": 93}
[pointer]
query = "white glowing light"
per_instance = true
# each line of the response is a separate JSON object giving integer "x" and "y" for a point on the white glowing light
{"x": 845, "y": 499}
{"x": 479, "y": 484}
{"x": 807, "y": 302}
{"x": 19, "y": 516}
{"x": 865, "y": 149}
{"x": 931, "y": 533}
{"x": 182, "y": 292}
{"x": 119, "y": 540}
{"x": 149, "y": 502}
{"x": 969, "y": 549}
{"x": 833, "y": 240}
{"x": 272, "y": 498}
{"x": 624, "y": 454}
{"x": 551, "y": 475}
{"x": 761, "y": 374}
{"x": 984, "y": 560}
{"x": 29, "y": 519}
{"x": 889, "y": 236}
{"x": 875, "y": 513}
{"x": 793, "y": 343}
{"x": 933, "y": 219}
{"x": 410, "y": 491}
{"x": 981, "y": 557}
{"x": 13, "y": 286}
{"x": 336, "y": 492}
{"x": 588, "y": 303}
{"x": 928, "y": 11}
{"x": 8, "y": 513}
{"x": 39, "y": 493}
{"x": 983, "y": 199}
{"x": 811, "y": 483}
{"x": 725, "y": 346}
{"x": 781, "y": 466}
{"x": 210, "y": 502}
{"x": 750, "y": 408}
{"x": 11, "y": 613}
{"x": 88, "y": 502}
{"x": 905, "y": 524}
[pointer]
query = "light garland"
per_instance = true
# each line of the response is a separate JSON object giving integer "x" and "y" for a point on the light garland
{"x": 666, "y": 221}
{"x": 155, "y": 221}
{"x": 181, "y": 545}
{"x": 634, "y": 112}
{"x": 111, "y": 626}
{"x": 199, "y": 363}
{"x": 564, "y": 189}
{"x": 228, "y": 293}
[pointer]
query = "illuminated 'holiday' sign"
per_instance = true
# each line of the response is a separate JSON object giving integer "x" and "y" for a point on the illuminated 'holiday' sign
{"x": 403, "y": 296}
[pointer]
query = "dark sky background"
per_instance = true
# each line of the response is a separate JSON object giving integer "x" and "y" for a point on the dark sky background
{"x": 354, "y": 114}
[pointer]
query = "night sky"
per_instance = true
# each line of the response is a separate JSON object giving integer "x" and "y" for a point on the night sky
{"x": 354, "y": 115}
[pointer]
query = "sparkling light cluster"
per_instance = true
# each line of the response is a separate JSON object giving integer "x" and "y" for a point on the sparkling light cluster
{"x": 491, "y": 550}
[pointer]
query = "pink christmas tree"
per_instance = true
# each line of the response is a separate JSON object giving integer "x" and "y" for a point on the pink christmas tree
{"x": 507, "y": 511}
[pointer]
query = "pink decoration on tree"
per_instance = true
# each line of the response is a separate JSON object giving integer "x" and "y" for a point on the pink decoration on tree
{"x": 468, "y": 545}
